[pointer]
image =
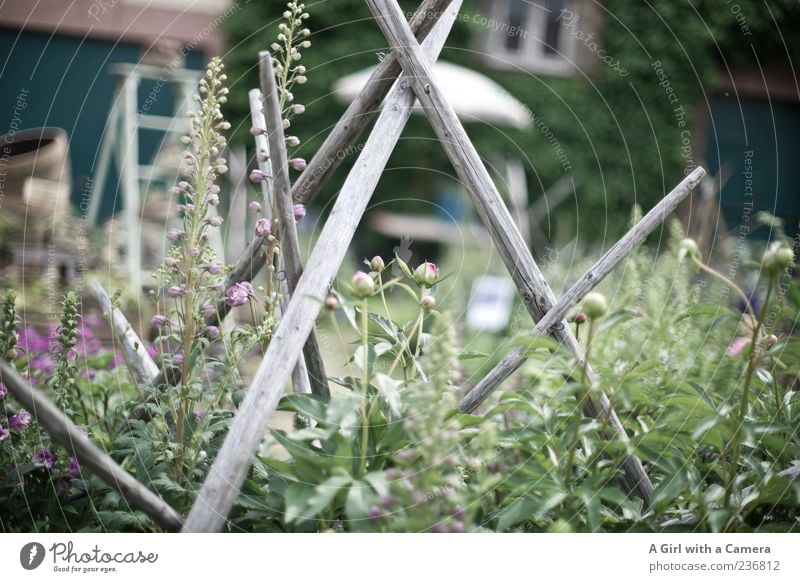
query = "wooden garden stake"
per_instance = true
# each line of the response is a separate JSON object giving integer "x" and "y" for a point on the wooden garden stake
{"x": 290, "y": 245}
{"x": 596, "y": 273}
{"x": 132, "y": 347}
{"x": 64, "y": 432}
{"x": 300, "y": 382}
{"x": 534, "y": 290}
{"x": 228, "y": 471}
{"x": 329, "y": 156}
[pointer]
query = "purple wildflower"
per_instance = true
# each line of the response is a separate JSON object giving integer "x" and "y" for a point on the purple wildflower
{"x": 19, "y": 421}
{"x": 3, "y": 391}
{"x": 4, "y": 434}
{"x": 158, "y": 320}
{"x": 74, "y": 467}
{"x": 175, "y": 234}
{"x": 44, "y": 458}
{"x": 212, "y": 331}
{"x": 298, "y": 164}
{"x": 176, "y": 290}
{"x": 239, "y": 294}
{"x": 62, "y": 487}
{"x": 257, "y": 176}
{"x": 209, "y": 310}
{"x": 263, "y": 228}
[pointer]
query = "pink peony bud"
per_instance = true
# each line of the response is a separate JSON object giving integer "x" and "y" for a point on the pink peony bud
{"x": 426, "y": 275}
{"x": 363, "y": 285}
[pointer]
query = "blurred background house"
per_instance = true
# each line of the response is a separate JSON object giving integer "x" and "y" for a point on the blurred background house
{"x": 621, "y": 99}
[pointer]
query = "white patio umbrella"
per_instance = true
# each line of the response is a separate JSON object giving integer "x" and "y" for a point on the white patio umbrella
{"x": 474, "y": 97}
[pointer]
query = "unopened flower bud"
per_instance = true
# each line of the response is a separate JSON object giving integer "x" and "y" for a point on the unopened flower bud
{"x": 778, "y": 259}
{"x": 772, "y": 339}
{"x": 158, "y": 320}
{"x": 689, "y": 249}
{"x": 254, "y": 207}
{"x": 213, "y": 199}
{"x": 363, "y": 285}
{"x": 298, "y": 164}
{"x": 579, "y": 318}
{"x": 331, "y": 303}
{"x": 426, "y": 275}
{"x": 257, "y": 176}
{"x": 377, "y": 264}
{"x": 428, "y": 303}
{"x": 293, "y": 141}
{"x": 215, "y": 220}
{"x": 595, "y": 305}
{"x": 299, "y": 211}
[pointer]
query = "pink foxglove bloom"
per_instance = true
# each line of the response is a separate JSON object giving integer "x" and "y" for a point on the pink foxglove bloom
{"x": 239, "y": 294}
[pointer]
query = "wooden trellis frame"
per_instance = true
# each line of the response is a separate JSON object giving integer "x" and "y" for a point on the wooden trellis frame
{"x": 402, "y": 77}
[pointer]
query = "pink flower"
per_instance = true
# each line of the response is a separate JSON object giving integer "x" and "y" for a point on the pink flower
{"x": 213, "y": 199}
{"x": 239, "y": 294}
{"x": 214, "y": 268}
{"x": 363, "y": 285}
{"x": 176, "y": 290}
{"x": 298, "y": 164}
{"x": 212, "y": 331}
{"x": 426, "y": 274}
{"x": 44, "y": 458}
{"x": 175, "y": 234}
{"x": 4, "y": 434}
{"x": 257, "y": 176}
{"x": 209, "y": 310}
{"x": 177, "y": 359}
{"x": 299, "y": 211}
{"x": 257, "y": 131}
{"x": 263, "y": 228}
{"x": 19, "y": 421}
{"x": 3, "y": 391}
{"x": 737, "y": 345}
{"x": 293, "y": 141}
{"x": 254, "y": 207}
{"x": 215, "y": 220}
{"x": 158, "y": 320}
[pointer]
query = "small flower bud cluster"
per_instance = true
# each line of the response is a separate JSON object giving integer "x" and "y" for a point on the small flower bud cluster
{"x": 8, "y": 328}
{"x": 292, "y": 38}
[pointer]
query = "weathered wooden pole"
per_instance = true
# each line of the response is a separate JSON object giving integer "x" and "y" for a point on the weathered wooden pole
{"x": 533, "y": 288}
{"x": 64, "y": 432}
{"x": 596, "y": 273}
{"x": 229, "y": 469}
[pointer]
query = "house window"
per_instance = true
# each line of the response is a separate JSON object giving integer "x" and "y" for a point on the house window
{"x": 535, "y": 34}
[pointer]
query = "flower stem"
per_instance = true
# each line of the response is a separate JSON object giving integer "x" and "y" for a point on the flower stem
{"x": 752, "y": 364}
{"x": 364, "y": 384}
{"x": 734, "y": 286}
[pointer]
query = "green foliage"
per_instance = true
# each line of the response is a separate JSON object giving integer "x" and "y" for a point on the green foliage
{"x": 620, "y": 134}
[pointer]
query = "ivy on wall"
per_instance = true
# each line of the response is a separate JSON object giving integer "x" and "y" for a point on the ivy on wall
{"x": 625, "y": 138}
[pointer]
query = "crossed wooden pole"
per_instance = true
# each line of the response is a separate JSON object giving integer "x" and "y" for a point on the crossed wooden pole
{"x": 404, "y": 76}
